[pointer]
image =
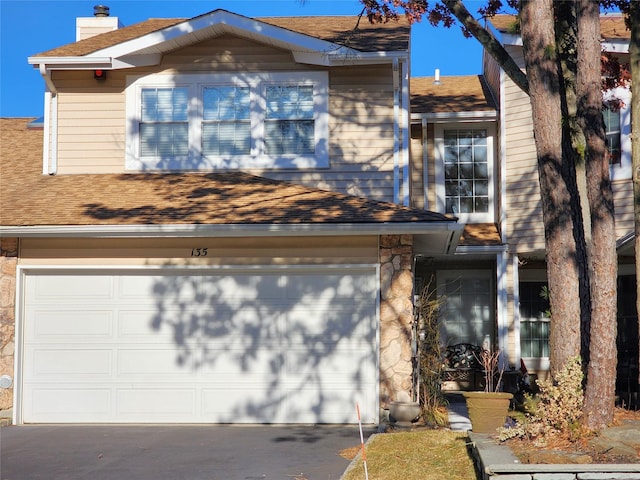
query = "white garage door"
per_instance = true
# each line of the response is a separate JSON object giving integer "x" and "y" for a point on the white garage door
{"x": 282, "y": 346}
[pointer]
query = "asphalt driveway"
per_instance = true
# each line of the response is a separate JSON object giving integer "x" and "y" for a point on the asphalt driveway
{"x": 213, "y": 452}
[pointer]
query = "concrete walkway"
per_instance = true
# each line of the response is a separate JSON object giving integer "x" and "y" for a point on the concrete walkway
{"x": 458, "y": 416}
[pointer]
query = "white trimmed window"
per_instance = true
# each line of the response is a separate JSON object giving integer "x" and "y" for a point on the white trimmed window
{"x": 612, "y": 130}
{"x": 533, "y": 318}
{"x": 464, "y": 171}
{"x": 618, "y": 131}
{"x": 227, "y": 121}
{"x": 467, "y": 314}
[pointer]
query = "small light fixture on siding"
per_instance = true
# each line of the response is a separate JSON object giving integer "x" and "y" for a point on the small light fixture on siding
{"x": 100, "y": 74}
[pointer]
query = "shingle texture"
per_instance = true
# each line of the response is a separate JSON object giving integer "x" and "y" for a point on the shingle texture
{"x": 611, "y": 26}
{"x": 29, "y": 198}
{"x": 391, "y": 36}
{"x": 454, "y": 94}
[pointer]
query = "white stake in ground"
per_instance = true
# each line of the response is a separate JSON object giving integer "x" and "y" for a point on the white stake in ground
{"x": 364, "y": 454}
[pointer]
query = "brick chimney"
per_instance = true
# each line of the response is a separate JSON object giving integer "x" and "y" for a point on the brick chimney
{"x": 101, "y": 22}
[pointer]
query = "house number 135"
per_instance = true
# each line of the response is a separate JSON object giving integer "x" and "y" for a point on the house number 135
{"x": 199, "y": 252}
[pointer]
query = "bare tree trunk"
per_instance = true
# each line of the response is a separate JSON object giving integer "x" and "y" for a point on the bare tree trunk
{"x": 602, "y": 360}
{"x": 574, "y": 166}
{"x": 538, "y": 37}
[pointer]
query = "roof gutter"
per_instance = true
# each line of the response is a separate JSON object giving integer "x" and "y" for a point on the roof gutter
{"x": 71, "y": 63}
{"x": 435, "y": 117}
{"x": 232, "y": 230}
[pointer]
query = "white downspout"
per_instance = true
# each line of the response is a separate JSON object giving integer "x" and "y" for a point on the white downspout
{"x": 396, "y": 132}
{"x": 515, "y": 265}
{"x": 425, "y": 163}
{"x": 406, "y": 134}
{"x": 50, "y": 131}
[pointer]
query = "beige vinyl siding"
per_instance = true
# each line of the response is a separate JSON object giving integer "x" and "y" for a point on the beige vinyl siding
{"x": 220, "y": 251}
{"x": 417, "y": 159}
{"x": 91, "y": 122}
{"x": 92, "y": 118}
{"x": 525, "y": 232}
{"x": 623, "y": 204}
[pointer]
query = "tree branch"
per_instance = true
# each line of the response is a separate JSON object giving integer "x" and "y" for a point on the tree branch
{"x": 489, "y": 42}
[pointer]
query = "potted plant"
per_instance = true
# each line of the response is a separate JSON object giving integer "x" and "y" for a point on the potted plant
{"x": 488, "y": 409}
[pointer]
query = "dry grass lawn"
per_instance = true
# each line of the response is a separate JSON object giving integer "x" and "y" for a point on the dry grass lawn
{"x": 420, "y": 454}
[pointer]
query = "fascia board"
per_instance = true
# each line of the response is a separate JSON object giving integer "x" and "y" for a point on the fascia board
{"x": 615, "y": 46}
{"x": 230, "y": 230}
{"x": 229, "y": 22}
{"x": 72, "y": 63}
{"x": 439, "y": 117}
{"x": 481, "y": 249}
{"x": 511, "y": 39}
{"x": 608, "y": 45}
{"x": 344, "y": 56}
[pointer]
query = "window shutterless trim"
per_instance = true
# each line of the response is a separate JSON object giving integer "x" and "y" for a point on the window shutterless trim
{"x": 258, "y": 157}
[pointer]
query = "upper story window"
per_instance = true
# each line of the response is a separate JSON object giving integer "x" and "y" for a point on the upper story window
{"x": 227, "y": 121}
{"x": 464, "y": 167}
{"x": 618, "y": 131}
{"x": 612, "y": 130}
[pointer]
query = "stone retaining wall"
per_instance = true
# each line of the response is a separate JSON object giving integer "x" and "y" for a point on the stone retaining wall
{"x": 497, "y": 462}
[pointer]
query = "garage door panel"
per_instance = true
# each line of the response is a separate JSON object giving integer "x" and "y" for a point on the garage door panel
{"x": 156, "y": 404}
{"x": 241, "y": 289}
{"x": 69, "y": 404}
{"x": 243, "y": 404}
{"x": 70, "y": 322}
{"x": 281, "y": 346}
{"x": 232, "y": 364}
{"x": 146, "y": 363}
{"x": 137, "y": 325}
{"x": 58, "y": 364}
{"x": 150, "y": 289}
{"x": 60, "y": 289}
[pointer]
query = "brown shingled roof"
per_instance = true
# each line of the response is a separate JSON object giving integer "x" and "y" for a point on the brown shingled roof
{"x": 391, "y": 36}
{"x": 108, "y": 39}
{"x": 453, "y": 94}
{"x": 611, "y": 26}
{"x": 29, "y": 198}
{"x": 480, "y": 234}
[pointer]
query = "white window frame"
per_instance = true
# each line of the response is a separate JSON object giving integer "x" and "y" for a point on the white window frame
{"x": 622, "y": 170}
{"x": 487, "y": 277}
{"x": 258, "y": 158}
{"x": 531, "y": 276}
{"x": 439, "y": 129}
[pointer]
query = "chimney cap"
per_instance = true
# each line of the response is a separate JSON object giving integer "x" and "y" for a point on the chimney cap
{"x": 100, "y": 11}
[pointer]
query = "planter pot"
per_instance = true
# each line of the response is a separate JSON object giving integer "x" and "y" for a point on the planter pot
{"x": 405, "y": 412}
{"x": 487, "y": 410}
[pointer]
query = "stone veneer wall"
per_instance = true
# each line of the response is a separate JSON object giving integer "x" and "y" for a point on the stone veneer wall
{"x": 8, "y": 263}
{"x": 396, "y": 317}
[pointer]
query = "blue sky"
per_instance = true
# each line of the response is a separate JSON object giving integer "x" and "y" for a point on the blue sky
{"x": 29, "y": 27}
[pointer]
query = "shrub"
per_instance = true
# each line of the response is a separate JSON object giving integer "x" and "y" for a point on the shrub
{"x": 557, "y": 408}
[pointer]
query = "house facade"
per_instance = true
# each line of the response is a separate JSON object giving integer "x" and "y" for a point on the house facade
{"x": 473, "y": 155}
{"x": 225, "y": 219}
{"x": 211, "y": 224}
